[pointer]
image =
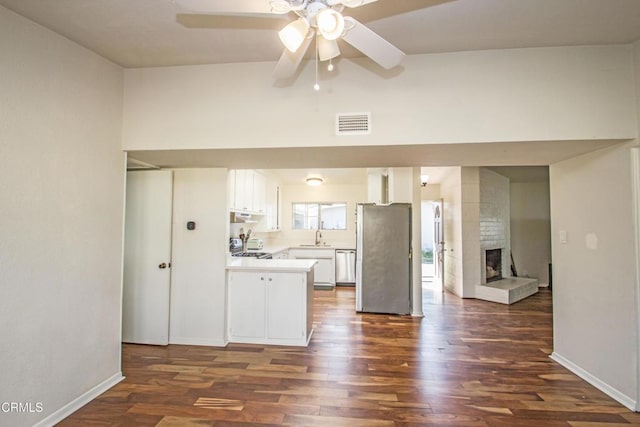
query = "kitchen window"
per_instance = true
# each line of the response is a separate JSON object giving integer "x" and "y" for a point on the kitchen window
{"x": 319, "y": 216}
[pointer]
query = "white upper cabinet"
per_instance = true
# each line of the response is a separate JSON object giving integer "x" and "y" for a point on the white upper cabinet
{"x": 252, "y": 191}
{"x": 272, "y": 221}
{"x": 259, "y": 195}
{"x": 243, "y": 190}
{"x": 246, "y": 190}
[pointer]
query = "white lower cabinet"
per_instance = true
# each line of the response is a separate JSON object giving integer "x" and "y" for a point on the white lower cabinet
{"x": 285, "y": 296}
{"x": 247, "y": 294}
{"x": 325, "y": 269}
{"x": 281, "y": 255}
{"x": 270, "y": 307}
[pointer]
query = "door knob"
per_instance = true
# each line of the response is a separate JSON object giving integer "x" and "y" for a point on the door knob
{"x": 163, "y": 265}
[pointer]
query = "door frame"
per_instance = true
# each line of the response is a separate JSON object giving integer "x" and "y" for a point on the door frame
{"x": 635, "y": 186}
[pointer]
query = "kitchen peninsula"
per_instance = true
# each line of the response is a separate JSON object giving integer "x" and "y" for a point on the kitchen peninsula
{"x": 270, "y": 301}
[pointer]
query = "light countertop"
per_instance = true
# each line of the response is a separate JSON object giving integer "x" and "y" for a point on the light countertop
{"x": 293, "y": 265}
{"x": 274, "y": 249}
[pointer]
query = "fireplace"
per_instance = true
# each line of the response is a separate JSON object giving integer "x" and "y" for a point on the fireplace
{"x": 493, "y": 263}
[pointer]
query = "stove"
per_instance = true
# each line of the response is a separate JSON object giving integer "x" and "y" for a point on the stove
{"x": 259, "y": 255}
{"x": 235, "y": 247}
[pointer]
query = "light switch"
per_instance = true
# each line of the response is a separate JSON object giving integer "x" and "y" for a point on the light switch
{"x": 563, "y": 236}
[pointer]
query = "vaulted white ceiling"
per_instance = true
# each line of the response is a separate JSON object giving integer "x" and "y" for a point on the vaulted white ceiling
{"x": 150, "y": 33}
{"x": 154, "y": 33}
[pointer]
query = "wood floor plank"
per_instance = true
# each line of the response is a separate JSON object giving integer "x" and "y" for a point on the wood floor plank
{"x": 216, "y": 403}
{"x": 323, "y": 421}
{"x": 466, "y": 363}
{"x": 592, "y": 424}
{"x": 184, "y": 422}
{"x": 204, "y": 413}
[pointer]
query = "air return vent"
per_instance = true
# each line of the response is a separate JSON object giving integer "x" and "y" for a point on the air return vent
{"x": 353, "y": 124}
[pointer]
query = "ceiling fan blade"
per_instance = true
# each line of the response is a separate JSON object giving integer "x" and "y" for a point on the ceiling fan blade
{"x": 357, "y": 3}
{"x": 226, "y": 7}
{"x": 290, "y": 61}
{"x": 371, "y": 44}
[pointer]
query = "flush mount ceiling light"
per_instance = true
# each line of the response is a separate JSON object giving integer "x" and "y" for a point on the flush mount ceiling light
{"x": 314, "y": 181}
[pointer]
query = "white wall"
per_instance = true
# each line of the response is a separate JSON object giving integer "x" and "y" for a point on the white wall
{"x": 431, "y": 192}
{"x": 61, "y": 191}
{"x": 401, "y": 185}
{"x": 198, "y": 257}
{"x": 427, "y": 225}
{"x": 636, "y": 57}
{"x": 595, "y": 313}
{"x": 451, "y": 192}
{"x": 499, "y": 95}
{"x": 416, "y": 240}
{"x": 531, "y": 229}
{"x": 636, "y": 213}
{"x": 471, "y": 264}
{"x": 352, "y": 194}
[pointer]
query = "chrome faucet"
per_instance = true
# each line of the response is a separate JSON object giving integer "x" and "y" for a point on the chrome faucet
{"x": 318, "y": 237}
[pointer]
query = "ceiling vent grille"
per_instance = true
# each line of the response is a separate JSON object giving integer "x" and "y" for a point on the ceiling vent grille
{"x": 353, "y": 124}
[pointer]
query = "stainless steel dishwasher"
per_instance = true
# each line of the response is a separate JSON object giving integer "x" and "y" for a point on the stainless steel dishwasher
{"x": 345, "y": 266}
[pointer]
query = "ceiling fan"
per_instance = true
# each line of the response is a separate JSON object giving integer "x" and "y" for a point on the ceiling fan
{"x": 321, "y": 20}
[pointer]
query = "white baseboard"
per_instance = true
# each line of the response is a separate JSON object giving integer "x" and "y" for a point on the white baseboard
{"x": 80, "y": 401}
{"x": 596, "y": 382}
{"x": 207, "y": 342}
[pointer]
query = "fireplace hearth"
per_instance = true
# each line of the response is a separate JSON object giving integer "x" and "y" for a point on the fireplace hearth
{"x": 493, "y": 264}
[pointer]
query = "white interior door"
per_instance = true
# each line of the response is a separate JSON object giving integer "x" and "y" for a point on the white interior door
{"x": 147, "y": 257}
{"x": 438, "y": 244}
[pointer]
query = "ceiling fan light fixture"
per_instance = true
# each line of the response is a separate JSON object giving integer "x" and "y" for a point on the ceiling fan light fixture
{"x": 327, "y": 49}
{"x": 330, "y": 23}
{"x": 353, "y": 3}
{"x": 294, "y": 34}
{"x": 280, "y": 7}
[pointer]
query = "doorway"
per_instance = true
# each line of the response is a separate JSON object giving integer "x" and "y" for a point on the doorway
{"x": 432, "y": 241}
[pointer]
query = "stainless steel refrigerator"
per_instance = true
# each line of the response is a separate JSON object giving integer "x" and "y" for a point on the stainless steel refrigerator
{"x": 383, "y": 258}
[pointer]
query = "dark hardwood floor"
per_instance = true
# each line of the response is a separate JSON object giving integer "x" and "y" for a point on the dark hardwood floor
{"x": 466, "y": 363}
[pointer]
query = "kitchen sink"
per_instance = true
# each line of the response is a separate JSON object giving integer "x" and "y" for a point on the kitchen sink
{"x": 315, "y": 246}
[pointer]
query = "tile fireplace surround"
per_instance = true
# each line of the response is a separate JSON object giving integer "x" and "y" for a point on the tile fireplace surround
{"x": 495, "y": 217}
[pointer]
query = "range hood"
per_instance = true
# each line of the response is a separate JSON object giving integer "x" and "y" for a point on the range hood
{"x": 242, "y": 217}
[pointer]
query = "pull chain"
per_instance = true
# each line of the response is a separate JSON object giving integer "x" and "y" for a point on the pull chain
{"x": 316, "y": 86}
